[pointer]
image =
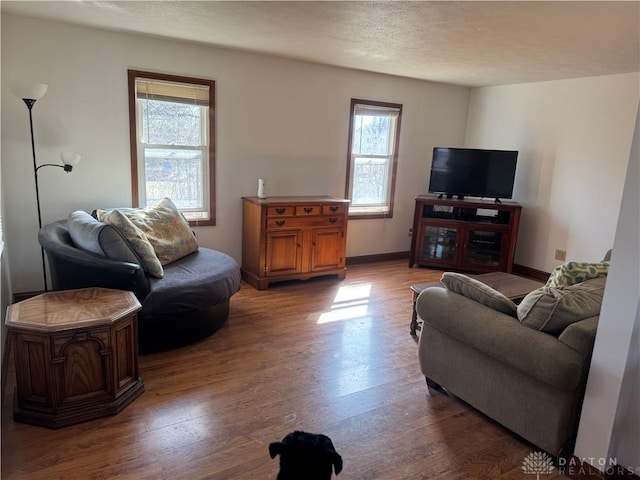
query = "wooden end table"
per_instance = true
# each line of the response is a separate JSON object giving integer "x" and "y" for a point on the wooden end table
{"x": 76, "y": 355}
{"x": 513, "y": 287}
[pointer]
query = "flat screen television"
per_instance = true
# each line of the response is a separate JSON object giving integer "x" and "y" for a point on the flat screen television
{"x": 473, "y": 172}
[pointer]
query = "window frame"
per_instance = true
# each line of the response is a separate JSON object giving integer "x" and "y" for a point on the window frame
{"x": 355, "y": 215}
{"x": 133, "y": 75}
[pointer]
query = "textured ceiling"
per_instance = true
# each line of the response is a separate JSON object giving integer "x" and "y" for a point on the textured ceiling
{"x": 471, "y": 43}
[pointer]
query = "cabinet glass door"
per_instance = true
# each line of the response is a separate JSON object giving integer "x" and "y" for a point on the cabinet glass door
{"x": 483, "y": 248}
{"x": 439, "y": 243}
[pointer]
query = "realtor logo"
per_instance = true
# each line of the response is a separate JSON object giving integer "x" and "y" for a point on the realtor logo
{"x": 537, "y": 463}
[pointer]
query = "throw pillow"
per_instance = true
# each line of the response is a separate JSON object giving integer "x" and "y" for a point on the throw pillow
{"x": 136, "y": 238}
{"x": 571, "y": 273}
{"x": 166, "y": 229}
{"x": 478, "y": 291}
{"x": 96, "y": 237}
{"x": 552, "y": 309}
{"x": 84, "y": 231}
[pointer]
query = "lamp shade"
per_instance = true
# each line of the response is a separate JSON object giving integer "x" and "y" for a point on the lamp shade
{"x": 69, "y": 158}
{"x": 30, "y": 91}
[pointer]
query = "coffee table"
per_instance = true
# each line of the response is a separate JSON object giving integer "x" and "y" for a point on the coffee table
{"x": 513, "y": 287}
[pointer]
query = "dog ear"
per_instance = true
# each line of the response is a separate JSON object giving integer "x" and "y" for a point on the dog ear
{"x": 336, "y": 459}
{"x": 276, "y": 448}
{"x": 334, "y": 456}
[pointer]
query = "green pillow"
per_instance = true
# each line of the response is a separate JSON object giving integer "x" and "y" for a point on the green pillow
{"x": 571, "y": 273}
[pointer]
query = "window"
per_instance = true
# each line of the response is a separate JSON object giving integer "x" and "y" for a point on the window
{"x": 172, "y": 143}
{"x": 374, "y": 133}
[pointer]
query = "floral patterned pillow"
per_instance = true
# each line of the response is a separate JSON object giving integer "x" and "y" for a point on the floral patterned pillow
{"x": 136, "y": 238}
{"x": 166, "y": 230}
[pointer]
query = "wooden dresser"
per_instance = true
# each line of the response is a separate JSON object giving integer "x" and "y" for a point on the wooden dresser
{"x": 288, "y": 238}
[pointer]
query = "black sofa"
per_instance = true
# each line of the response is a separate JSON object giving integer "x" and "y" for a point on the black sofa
{"x": 190, "y": 302}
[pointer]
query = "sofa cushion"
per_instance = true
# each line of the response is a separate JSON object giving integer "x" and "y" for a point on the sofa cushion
{"x": 581, "y": 336}
{"x": 202, "y": 279}
{"x": 166, "y": 229}
{"x": 478, "y": 291}
{"x": 97, "y": 237}
{"x": 136, "y": 239}
{"x": 571, "y": 273}
{"x": 552, "y": 309}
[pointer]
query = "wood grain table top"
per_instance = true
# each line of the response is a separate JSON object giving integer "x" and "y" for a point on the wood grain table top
{"x": 296, "y": 199}
{"x": 70, "y": 309}
{"x": 511, "y": 286}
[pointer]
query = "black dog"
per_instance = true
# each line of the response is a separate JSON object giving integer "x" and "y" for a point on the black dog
{"x": 306, "y": 456}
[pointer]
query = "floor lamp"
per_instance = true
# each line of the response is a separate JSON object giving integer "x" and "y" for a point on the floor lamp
{"x": 30, "y": 94}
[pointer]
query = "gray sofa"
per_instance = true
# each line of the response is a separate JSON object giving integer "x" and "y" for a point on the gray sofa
{"x": 190, "y": 302}
{"x": 529, "y": 380}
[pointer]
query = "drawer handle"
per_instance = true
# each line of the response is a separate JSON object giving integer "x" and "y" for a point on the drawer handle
{"x": 333, "y": 208}
{"x": 308, "y": 209}
{"x": 333, "y": 219}
{"x": 280, "y": 222}
{"x": 280, "y": 210}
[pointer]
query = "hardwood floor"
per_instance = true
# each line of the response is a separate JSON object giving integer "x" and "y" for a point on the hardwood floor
{"x": 326, "y": 356}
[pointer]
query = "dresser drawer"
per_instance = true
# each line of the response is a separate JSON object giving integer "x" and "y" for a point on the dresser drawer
{"x": 308, "y": 210}
{"x": 305, "y": 222}
{"x": 280, "y": 211}
{"x": 338, "y": 209}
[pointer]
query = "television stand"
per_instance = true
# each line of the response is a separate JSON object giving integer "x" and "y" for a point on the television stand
{"x": 450, "y": 196}
{"x": 467, "y": 235}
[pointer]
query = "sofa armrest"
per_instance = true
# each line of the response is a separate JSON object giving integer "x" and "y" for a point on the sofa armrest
{"x": 500, "y": 336}
{"x": 581, "y": 336}
{"x": 72, "y": 267}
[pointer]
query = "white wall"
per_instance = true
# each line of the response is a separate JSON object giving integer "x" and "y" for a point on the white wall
{"x": 282, "y": 120}
{"x": 5, "y": 292}
{"x": 574, "y": 138}
{"x": 625, "y": 440}
{"x": 610, "y": 426}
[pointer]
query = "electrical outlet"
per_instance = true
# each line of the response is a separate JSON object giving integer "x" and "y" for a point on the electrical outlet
{"x": 561, "y": 255}
{"x": 411, "y": 232}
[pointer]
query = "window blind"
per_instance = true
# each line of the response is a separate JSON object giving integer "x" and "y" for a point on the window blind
{"x": 373, "y": 111}
{"x": 149, "y": 89}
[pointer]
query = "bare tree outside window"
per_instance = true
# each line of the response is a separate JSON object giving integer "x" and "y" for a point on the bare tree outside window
{"x": 172, "y": 144}
{"x": 373, "y": 144}
{"x": 173, "y": 172}
{"x": 371, "y": 138}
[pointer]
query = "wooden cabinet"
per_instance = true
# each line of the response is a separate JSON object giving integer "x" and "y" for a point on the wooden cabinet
{"x": 287, "y": 238}
{"x": 472, "y": 236}
{"x": 76, "y": 355}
